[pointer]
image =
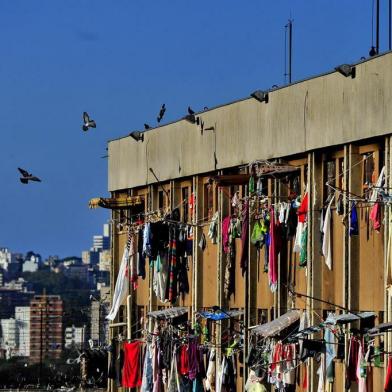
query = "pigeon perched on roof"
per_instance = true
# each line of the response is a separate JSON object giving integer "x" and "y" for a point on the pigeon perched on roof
{"x": 26, "y": 176}
{"x": 87, "y": 122}
{"x": 190, "y": 111}
{"x": 146, "y": 126}
{"x": 161, "y": 113}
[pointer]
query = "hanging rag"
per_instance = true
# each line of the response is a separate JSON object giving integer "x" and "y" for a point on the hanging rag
{"x": 174, "y": 383}
{"x": 172, "y": 286}
{"x": 184, "y": 360}
{"x": 273, "y": 254}
{"x": 228, "y": 238}
{"x": 147, "y": 382}
{"x": 379, "y": 184}
{"x": 213, "y": 228}
{"x": 121, "y": 288}
{"x": 361, "y": 370}
{"x": 303, "y": 253}
{"x": 202, "y": 242}
{"x": 193, "y": 360}
{"x": 244, "y": 238}
{"x": 388, "y": 376}
{"x": 302, "y": 211}
{"x": 251, "y": 185}
{"x": 225, "y": 233}
{"x": 375, "y": 216}
{"x": 330, "y": 343}
{"x": 353, "y": 220}
{"x": 210, "y": 377}
{"x": 327, "y": 243}
{"x": 147, "y": 238}
{"x": 389, "y": 263}
{"x": 159, "y": 283}
{"x": 141, "y": 257}
{"x": 351, "y": 365}
{"x": 131, "y": 377}
{"x": 133, "y": 262}
{"x": 320, "y": 373}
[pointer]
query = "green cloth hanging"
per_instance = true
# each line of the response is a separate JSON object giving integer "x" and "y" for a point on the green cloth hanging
{"x": 303, "y": 254}
{"x": 251, "y": 184}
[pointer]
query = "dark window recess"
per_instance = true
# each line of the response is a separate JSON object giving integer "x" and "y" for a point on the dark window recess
{"x": 294, "y": 186}
{"x": 262, "y": 316}
{"x": 306, "y": 174}
{"x": 368, "y": 170}
{"x": 160, "y": 199}
{"x": 330, "y": 174}
{"x": 185, "y": 204}
{"x": 208, "y": 201}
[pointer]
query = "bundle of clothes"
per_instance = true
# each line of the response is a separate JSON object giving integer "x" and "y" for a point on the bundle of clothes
{"x": 171, "y": 362}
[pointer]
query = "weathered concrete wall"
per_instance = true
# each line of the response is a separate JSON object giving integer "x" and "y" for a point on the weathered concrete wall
{"x": 326, "y": 110}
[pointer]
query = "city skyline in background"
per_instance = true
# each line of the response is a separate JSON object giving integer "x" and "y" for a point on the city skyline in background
{"x": 120, "y": 66}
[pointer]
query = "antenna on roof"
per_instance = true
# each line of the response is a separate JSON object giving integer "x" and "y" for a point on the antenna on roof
{"x": 288, "y": 51}
{"x": 375, "y": 49}
{"x": 390, "y": 24}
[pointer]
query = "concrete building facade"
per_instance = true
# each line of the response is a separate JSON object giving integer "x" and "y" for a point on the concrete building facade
{"x": 326, "y": 140}
{"x": 22, "y": 317}
{"x": 46, "y": 328}
{"x": 75, "y": 337}
{"x": 9, "y": 336}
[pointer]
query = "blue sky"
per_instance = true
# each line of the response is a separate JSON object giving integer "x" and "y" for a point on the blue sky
{"x": 119, "y": 61}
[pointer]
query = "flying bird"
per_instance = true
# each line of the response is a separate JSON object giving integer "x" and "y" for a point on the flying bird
{"x": 26, "y": 176}
{"x": 161, "y": 113}
{"x": 146, "y": 126}
{"x": 190, "y": 111}
{"x": 87, "y": 123}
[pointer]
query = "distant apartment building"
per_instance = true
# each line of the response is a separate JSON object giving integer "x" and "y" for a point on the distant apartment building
{"x": 17, "y": 284}
{"x": 77, "y": 271}
{"x": 9, "y": 337}
{"x": 90, "y": 257}
{"x": 99, "y": 332}
{"x": 31, "y": 264}
{"x": 101, "y": 242}
{"x": 46, "y": 331}
{"x": 75, "y": 337}
{"x": 12, "y": 297}
{"x": 22, "y": 317}
{"x": 105, "y": 259}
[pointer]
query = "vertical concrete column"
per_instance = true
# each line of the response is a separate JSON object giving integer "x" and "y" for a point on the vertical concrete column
{"x": 312, "y": 367}
{"x": 251, "y": 294}
{"x": 151, "y": 300}
{"x": 354, "y": 186}
{"x": 315, "y": 165}
{"x": 114, "y": 255}
{"x": 387, "y": 233}
{"x": 197, "y": 255}
{"x": 220, "y": 280}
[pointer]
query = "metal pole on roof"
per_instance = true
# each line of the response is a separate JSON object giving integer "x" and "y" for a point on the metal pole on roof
{"x": 390, "y": 24}
{"x": 290, "y": 49}
{"x": 377, "y": 26}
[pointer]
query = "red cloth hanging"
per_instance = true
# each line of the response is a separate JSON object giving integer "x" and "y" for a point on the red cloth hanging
{"x": 184, "y": 360}
{"x": 375, "y": 216}
{"x": 388, "y": 378}
{"x": 305, "y": 381}
{"x": 302, "y": 211}
{"x": 131, "y": 374}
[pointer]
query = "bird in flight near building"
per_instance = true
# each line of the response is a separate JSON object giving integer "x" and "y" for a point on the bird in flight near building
{"x": 87, "y": 122}
{"x": 26, "y": 176}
